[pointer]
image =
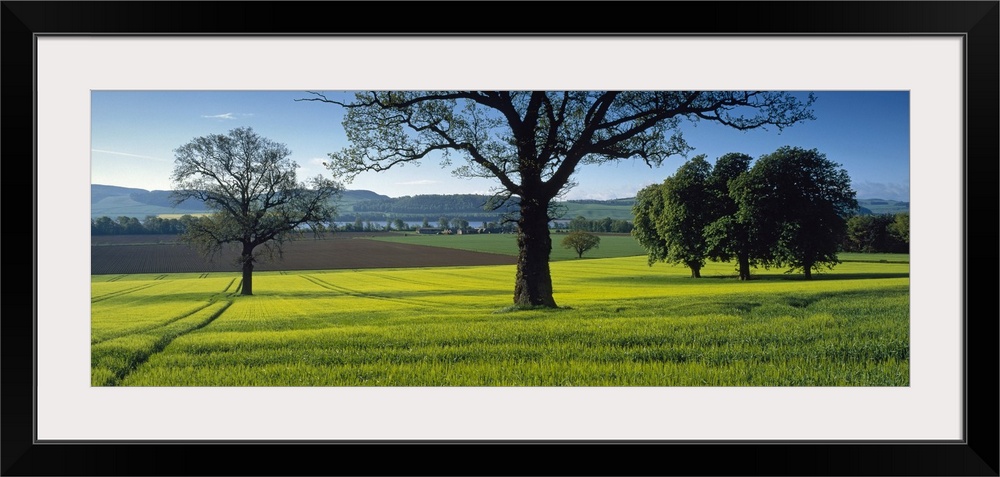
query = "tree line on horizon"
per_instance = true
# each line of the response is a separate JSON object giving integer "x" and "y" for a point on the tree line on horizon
{"x": 867, "y": 233}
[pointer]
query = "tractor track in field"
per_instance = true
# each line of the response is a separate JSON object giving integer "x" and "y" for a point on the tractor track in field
{"x": 121, "y": 292}
{"x": 211, "y": 301}
{"x": 387, "y": 277}
{"x": 148, "y": 328}
{"x": 141, "y": 356}
{"x": 371, "y": 296}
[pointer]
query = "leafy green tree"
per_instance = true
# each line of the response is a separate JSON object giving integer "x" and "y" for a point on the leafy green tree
{"x": 532, "y": 143}
{"x": 728, "y": 236}
{"x": 580, "y": 223}
{"x": 621, "y": 226}
{"x": 798, "y": 202}
{"x": 186, "y": 222}
{"x": 104, "y": 226}
{"x": 601, "y": 225}
{"x": 870, "y": 233}
{"x": 249, "y": 182}
{"x": 130, "y": 225}
{"x": 681, "y": 215}
{"x": 154, "y": 224}
{"x": 900, "y": 228}
{"x": 581, "y": 242}
{"x": 646, "y": 212}
{"x": 400, "y": 224}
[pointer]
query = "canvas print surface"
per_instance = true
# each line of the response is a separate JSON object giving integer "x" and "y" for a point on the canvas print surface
{"x": 500, "y": 238}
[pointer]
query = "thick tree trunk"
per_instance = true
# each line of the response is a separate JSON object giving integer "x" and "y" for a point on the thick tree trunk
{"x": 247, "y": 258}
{"x": 695, "y": 271}
{"x": 744, "y": 261}
{"x": 533, "y": 284}
{"x": 807, "y": 270}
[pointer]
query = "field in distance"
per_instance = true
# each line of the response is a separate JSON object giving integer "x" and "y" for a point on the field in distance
{"x": 117, "y": 254}
{"x": 622, "y": 323}
{"x": 126, "y": 254}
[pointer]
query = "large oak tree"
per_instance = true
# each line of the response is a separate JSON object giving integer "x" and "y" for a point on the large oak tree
{"x": 798, "y": 202}
{"x": 531, "y": 143}
{"x": 729, "y": 236}
{"x": 670, "y": 217}
{"x": 249, "y": 182}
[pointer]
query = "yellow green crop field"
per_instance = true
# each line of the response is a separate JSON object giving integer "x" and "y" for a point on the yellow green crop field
{"x": 611, "y": 245}
{"x": 620, "y": 323}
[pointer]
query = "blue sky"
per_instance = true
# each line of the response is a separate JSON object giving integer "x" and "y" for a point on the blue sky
{"x": 134, "y": 133}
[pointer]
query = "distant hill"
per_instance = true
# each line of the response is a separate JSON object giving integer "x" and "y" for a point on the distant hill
{"x": 616, "y": 209}
{"x": 622, "y": 208}
{"x": 883, "y": 206}
{"x": 471, "y": 207}
{"x": 114, "y": 201}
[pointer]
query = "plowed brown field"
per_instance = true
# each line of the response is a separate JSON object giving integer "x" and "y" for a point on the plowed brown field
{"x": 163, "y": 254}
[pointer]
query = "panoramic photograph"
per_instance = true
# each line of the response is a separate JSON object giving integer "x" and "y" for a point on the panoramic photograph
{"x": 500, "y": 238}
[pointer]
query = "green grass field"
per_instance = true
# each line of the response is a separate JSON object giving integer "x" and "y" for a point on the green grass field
{"x": 874, "y": 257}
{"x": 621, "y": 323}
{"x": 597, "y": 211}
{"x": 612, "y": 245}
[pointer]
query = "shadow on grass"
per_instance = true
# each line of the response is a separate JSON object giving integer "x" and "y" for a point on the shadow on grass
{"x": 517, "y": 308}
{"x": 739, "y": 304}
{"x": 816, "y": 276}
{"x": 757, "y": 277}
{"x": 903, "y": 262}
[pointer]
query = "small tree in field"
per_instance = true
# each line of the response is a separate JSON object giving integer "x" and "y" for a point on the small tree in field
{"x": 581, "y": 242}
{"x": 249, "y": 182}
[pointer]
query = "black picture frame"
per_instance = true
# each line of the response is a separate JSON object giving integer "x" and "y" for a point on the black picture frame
{"x": 977, "y": 22}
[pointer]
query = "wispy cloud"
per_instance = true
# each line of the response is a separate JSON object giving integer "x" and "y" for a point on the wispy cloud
{"x": 126, "y": 154}
{"x": 221, "y": 116}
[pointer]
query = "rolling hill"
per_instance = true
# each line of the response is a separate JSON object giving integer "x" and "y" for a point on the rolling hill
{"x": 115, "y": 201}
